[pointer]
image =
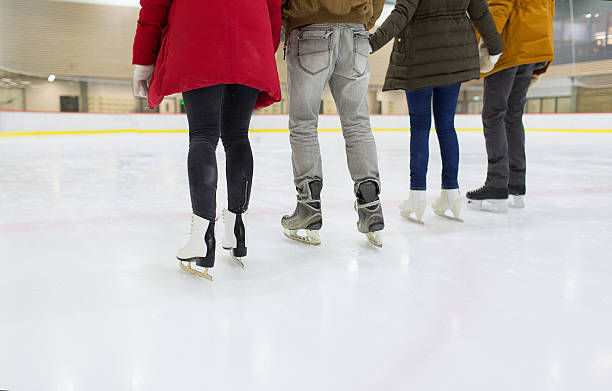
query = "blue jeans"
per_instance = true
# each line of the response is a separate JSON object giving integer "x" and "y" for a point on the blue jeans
{"x": 444, "y": 107}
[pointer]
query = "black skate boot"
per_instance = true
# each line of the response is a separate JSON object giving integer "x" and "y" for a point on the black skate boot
{"x": 491, "y": 199}
{"x": 517, "y": 193}
{"x": 235, "y": 237}
{"x": 369, "y": 210}
{"x": 200, "y": 248}
{"x": 307, "y": 215}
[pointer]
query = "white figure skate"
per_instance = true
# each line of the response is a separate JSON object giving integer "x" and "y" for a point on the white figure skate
{"x": 200, "y": 248}
{"x": 416, "y": 203}
{"x": 450, "y": 199}
{"x": 235, "y": 236}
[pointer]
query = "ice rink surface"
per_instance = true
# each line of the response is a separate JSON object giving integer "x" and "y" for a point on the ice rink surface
{"x": 91, "y": 297}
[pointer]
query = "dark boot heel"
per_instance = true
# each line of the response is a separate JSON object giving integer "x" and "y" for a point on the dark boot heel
{"x": 209, "y": 239}
{"x": 240, "y": 233}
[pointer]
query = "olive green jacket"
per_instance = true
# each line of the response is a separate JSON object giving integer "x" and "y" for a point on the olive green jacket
{"x": 297, "y": 13}
{"x": 435, "y": 43}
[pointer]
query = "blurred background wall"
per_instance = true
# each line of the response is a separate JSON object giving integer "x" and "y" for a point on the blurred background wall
{"x": 76, "y": 56}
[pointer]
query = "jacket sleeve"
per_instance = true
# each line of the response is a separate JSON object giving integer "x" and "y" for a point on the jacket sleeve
{"x": 377, "y": 10}
{"x": 151, "y": 22}
{"x": 395, "y": 23}
{"x": 276, "y": 21}
{"x": 483, "y": 21}
{"x": 501, "y": 9}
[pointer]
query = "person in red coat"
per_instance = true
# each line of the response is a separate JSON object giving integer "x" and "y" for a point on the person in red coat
{"x": 221, "y": 55}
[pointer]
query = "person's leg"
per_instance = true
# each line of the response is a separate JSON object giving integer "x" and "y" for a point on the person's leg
{"x": 203, "y": 107}
{"x": 444, "y": 108}
{"x": 309, "y": 65}
{"x": 349, "y": 87}
{"x": 497, "y": 88}
{"x": 309, "y": 60}
{"x": 236, "y": 110}
{"x": 515, "y": 131}
{"x": 419, "y": 107}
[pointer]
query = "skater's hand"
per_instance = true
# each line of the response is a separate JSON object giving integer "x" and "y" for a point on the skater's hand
{"x": 142, "y": 74}
{"x": 487, "y": 61}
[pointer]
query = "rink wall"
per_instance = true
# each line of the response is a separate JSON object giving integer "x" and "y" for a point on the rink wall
{"x": 17, "y": 123}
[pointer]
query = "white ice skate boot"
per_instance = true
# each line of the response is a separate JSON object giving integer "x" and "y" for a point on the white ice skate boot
{"x": 200, "y": 248}
{"x": 414, "y": 204}
{"x": 450, "y": 199}
{"x": 235, "y": 236}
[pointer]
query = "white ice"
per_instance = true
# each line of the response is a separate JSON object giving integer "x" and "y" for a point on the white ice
{"x": 91, "y": 297}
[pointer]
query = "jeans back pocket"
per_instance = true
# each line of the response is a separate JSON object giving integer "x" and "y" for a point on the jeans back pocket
{"x": 361, "y": 51}
{"x": 314, "y": 50}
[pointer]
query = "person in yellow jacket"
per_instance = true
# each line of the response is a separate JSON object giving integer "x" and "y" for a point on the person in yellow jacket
{"x": 526, "y": 27}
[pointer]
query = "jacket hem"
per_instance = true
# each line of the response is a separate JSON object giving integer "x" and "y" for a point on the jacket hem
{"x": 429, "y": 82}
{"x": 516, "y": 63}
{"x": 323, "y": 16}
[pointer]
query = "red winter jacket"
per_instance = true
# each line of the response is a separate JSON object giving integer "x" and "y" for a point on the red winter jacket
{"x": 200, "y": 43}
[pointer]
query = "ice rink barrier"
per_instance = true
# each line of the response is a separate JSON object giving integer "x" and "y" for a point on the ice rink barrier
{"x": 19, "y": 123}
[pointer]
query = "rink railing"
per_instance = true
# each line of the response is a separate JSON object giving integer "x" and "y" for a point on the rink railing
{"x": 19, "y": 123}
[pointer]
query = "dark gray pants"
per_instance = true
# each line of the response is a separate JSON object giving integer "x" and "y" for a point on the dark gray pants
{"x": 505, "y": 94}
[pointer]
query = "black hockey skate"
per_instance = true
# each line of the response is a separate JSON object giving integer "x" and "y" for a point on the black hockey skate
{"x": 487, "y": 198}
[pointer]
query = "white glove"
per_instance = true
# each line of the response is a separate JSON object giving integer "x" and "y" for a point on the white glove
{"x": 142, "y": 74}
{"x": 534, "y": 80}
{"x": 487, "y": 61}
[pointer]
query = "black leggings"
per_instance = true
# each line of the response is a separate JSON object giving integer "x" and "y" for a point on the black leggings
{"x": 222, "y": 110}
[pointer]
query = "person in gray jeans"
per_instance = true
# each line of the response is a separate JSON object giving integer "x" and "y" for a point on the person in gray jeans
{"x": 334, "y": 53}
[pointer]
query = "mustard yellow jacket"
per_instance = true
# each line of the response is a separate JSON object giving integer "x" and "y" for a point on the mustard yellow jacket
{"x": 526, "y": 27}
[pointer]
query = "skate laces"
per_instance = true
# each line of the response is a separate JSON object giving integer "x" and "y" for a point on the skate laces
{"x": 307, "y": 201}
{"x": 479, "y": 190}
{"x": 366, "y": 205}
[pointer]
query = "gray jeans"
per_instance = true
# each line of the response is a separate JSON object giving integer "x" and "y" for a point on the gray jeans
{"x": 336, "y": 54}
{"x": 505, "y": 94}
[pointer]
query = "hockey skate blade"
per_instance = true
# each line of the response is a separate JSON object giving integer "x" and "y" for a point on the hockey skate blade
{"x": 312, "y": 236}
{"x": 452, "y": 218}
{"x": 237, "y": 260}
{"x": 493, "y": 206}
{"x": 407, "y": 216}
{"x": 189, "y": 270}
{"x": 516, "y": 202}
{"x": 375, "y": 239}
